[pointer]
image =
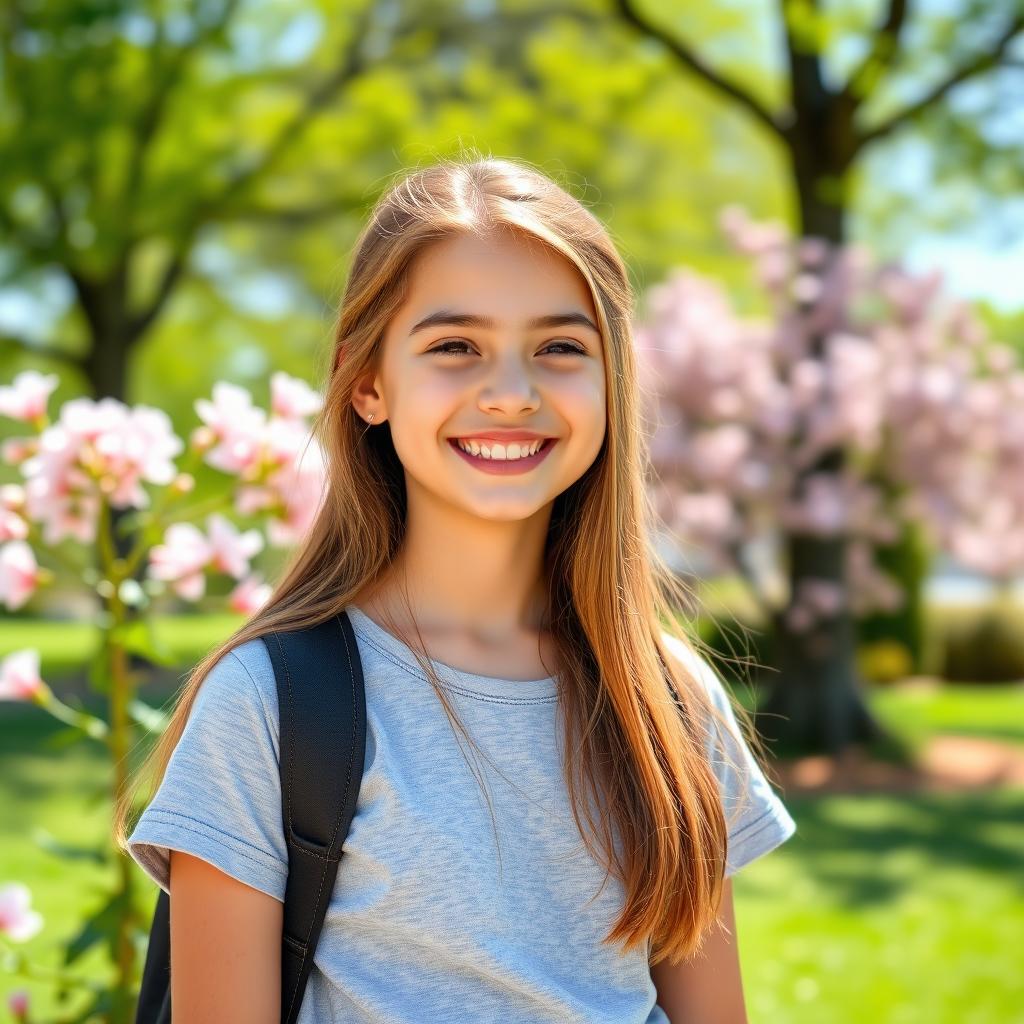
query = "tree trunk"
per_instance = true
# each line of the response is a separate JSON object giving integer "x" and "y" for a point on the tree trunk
{"x": 815, "y": 702}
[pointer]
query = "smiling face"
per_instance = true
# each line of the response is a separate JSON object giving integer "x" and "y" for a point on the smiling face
{"x": 496, "y": 334}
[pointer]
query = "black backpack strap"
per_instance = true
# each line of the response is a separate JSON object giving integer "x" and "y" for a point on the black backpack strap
{"x": 322, "y": 743}
{"x": 322, "y": 705}
{"x": 154, "y": 1005}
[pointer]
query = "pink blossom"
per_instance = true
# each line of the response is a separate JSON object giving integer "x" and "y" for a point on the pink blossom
{"x": 718, "y": 452}
{"x": 237, "y": 427}
{"x": 26, "y": 398}
{"x": 292, "y": 398}
{"x": 250, "y": 595}
{"x": 19, "y": 675}
{"x": 708, "y": 514}
{"x": 748, "y": 236}
{"x": 823, "y": 507}
{"x": 12, "y": 504}
{"x": 17, "y": 920}
{"x": 186, "y": 553}
{"x": 824, "y": 597}
{"x": 293, "y": 489}
{"x": 96, "y": 450}
{"x": 18, "y": 1003}
{"x": 230, "y": 550}
{"x": 181, "y": 559}
{"x": 867, "y": 362}
{"x": 301, "y": 487}
{"x": 15, "y": 450}
{"x": 285, "y": 442}
{"x": 252, "y": 498}
{"x": 19, "y": 574}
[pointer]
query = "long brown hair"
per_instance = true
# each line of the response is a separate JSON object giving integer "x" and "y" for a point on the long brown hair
{"x": 631, "y": 749}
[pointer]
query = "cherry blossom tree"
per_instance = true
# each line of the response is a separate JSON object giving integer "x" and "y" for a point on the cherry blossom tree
{"x": 864, "y": 402}
{"x": 103, "y": 456}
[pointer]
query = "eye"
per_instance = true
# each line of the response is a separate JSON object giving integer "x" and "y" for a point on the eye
{"x": 570, "y": 347}
{"x": 445, "y": 350}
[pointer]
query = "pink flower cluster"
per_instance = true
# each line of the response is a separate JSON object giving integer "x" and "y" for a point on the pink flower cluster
{"x": 19, "y": 675}
{"x": 278, "y": 462}
{"x": 18, "y": 1003}
{"x": 864, "y": 358}
{"x": 106, "y": 450}
{"x": 186, "y": 553}
{"x": 94, "y": 450}
{"x": 18, "y": 921}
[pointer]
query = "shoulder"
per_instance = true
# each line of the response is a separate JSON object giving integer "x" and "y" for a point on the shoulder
{"x": 699, "y": 667}
{"x": 241, "y": 682}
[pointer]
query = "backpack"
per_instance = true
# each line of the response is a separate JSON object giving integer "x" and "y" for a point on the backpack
{"x": 322, "y": 705}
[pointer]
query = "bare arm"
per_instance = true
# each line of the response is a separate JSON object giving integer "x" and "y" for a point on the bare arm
{"x": 225, "y": 947}
{"x": 707, "y": 987}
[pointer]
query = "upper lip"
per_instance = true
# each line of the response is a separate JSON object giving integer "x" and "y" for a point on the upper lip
{"x": 503, "y": 435}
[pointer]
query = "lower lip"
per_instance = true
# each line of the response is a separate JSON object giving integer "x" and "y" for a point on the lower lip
{"x": 502, "y": 467}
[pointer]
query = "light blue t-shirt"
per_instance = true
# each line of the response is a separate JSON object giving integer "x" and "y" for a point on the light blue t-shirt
{"x": 425, "y": 925}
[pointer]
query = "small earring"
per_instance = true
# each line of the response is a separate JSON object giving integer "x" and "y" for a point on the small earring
{"x": 369, "y": 419}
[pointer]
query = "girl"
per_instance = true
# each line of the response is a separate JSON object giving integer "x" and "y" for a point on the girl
{"x": 487, "y": 530}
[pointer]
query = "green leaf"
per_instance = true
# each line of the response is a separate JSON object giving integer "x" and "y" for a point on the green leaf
{"x": 139, "y": 637}
{"x": 100, "y": 927}
{"x": 151, "y": 719}
{"x": 49, "y": 843}
{"x": 64, "y": 738}
{"x": 98, "y": 1010}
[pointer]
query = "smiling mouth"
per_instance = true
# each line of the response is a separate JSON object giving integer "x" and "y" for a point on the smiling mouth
{"x": 523, "y": 460}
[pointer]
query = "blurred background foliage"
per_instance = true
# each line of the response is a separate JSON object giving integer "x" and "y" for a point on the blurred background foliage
{"x": 181, "y": 184}
{"x": 186, "y": 188}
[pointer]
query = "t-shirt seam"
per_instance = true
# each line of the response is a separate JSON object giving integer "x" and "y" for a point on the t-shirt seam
{"x": 176, "y": 816}
{"x": 756, "y": 826}
{"x": 456, "y": 687}
{"x": 252, "y": 679}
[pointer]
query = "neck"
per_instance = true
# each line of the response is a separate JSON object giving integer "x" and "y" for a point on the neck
{"x": 455, "y": 571}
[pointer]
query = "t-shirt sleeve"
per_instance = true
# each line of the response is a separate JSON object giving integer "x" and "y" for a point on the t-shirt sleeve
{"x": 757, "y": 819}
{"x": 220, "y": 798}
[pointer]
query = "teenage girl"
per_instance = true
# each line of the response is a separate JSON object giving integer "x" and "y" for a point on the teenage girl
{"x": 488, "y": 531}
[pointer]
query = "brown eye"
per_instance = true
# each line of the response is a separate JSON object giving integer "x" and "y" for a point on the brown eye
{"x": 445, "y": 350}
{"x": 568, "y": 346}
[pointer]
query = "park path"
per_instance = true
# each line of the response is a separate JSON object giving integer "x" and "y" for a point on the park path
{"x": 946, "y": 763}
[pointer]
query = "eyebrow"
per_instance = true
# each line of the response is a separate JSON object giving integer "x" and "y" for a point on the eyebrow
{"x": 450, "y": 318}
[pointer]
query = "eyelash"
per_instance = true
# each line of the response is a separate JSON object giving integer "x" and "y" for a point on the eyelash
{"x": 443, "y": 347}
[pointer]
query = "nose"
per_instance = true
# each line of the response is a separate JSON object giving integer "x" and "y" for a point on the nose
{"x": 509, "y": 389}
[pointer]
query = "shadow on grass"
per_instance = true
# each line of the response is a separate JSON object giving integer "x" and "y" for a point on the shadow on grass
{"x": 873, "y": 848}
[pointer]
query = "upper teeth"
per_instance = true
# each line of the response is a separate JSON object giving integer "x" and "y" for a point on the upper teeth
{"x": 494, "y": 450}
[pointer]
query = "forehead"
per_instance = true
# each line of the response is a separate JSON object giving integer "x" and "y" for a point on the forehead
{"x": 506, "y": 276}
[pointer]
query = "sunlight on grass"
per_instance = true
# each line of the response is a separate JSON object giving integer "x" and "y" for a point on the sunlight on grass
{"x": 887, "y": 908}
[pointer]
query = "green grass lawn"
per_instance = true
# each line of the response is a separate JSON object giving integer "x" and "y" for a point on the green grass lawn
{"x": 881, "y": 909}
{"x": 67, "y": 646}
{"x": 996, "y": 712}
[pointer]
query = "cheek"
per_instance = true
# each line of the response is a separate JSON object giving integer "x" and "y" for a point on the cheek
{"x": 427, "y": 399}
{"x": 581, "y": 401}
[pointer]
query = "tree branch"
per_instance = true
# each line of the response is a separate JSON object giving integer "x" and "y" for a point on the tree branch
{"x": 140, "y": 321}
{"x": 690, "y": 60}
{"x": 982, "y": 62}
{"x": 881, "y": 56}
{"x": 318, "y": 97}
{"x": 45, "y": 351}
{"x": 150, "y": 115}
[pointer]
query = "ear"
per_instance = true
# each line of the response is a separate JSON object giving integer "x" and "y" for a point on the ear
{"x": 366, "y": 399}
